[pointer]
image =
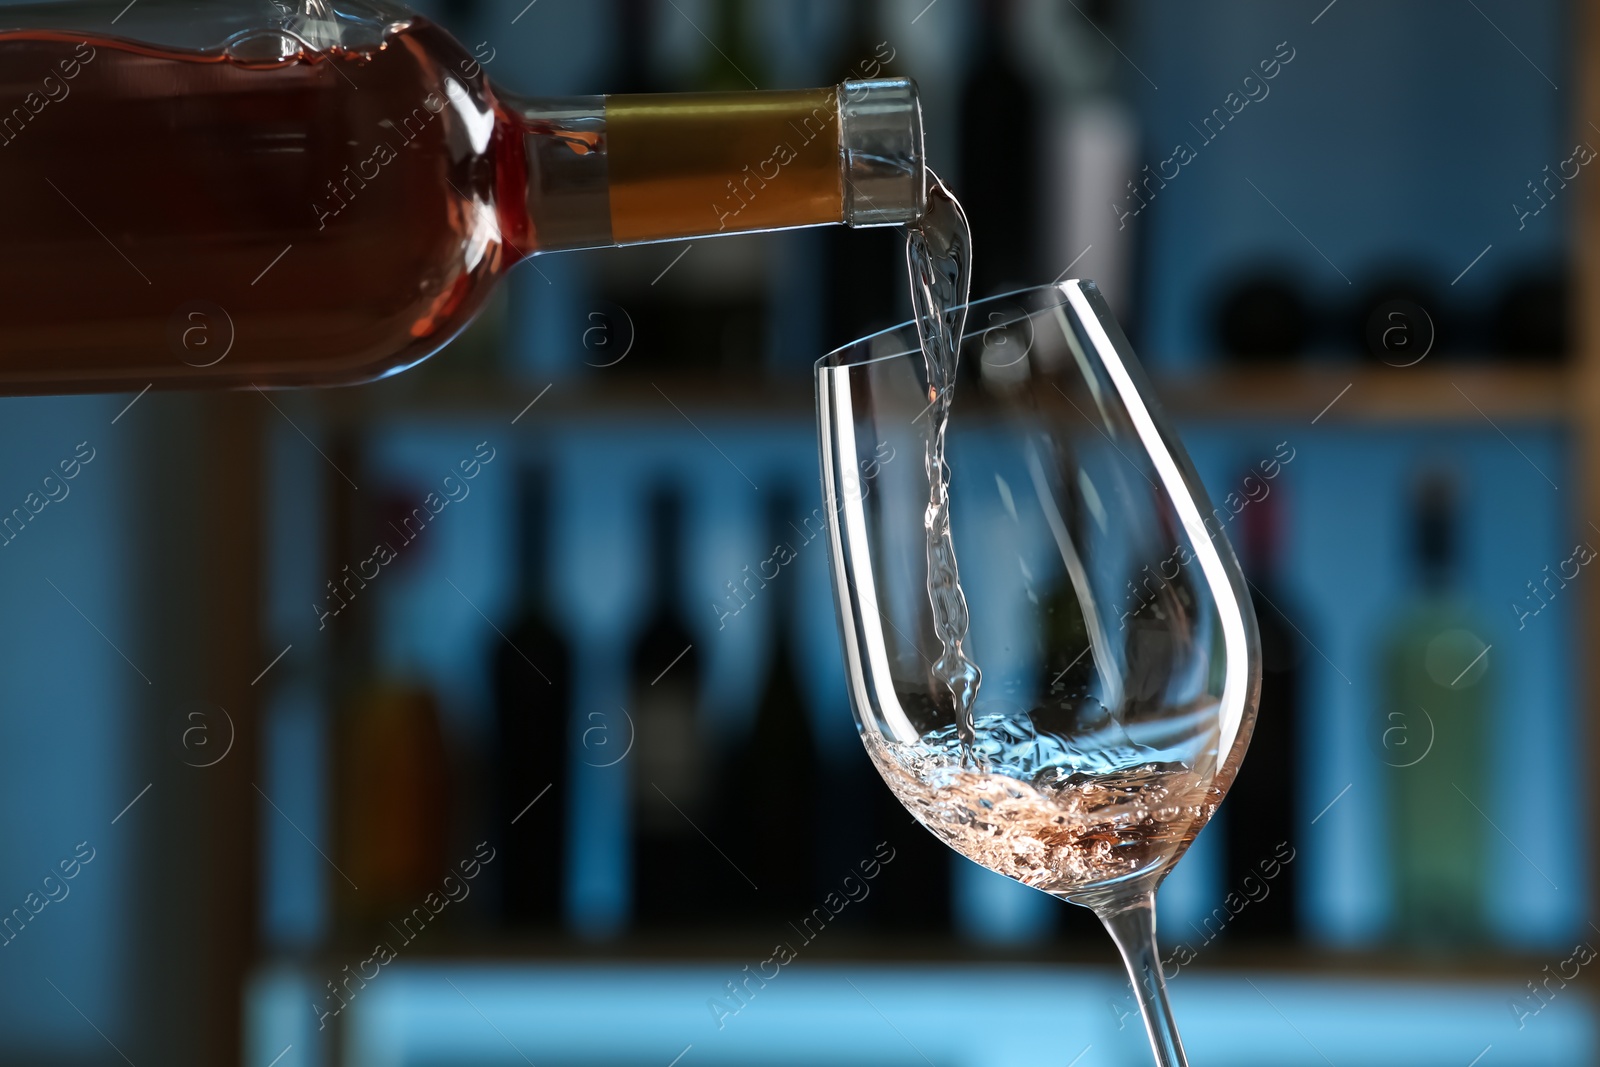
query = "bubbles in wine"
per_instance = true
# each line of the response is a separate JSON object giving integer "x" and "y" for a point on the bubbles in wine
{"x": 1058, "y": 832}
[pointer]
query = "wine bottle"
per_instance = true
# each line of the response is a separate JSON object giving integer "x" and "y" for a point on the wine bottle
{"x": 1262, "y": 813}
{"x": 704, "y": 315}
{"x": 392, "y": 772}
{"x": 1263, "y": 318}
{"x": 731, "y": 64}
{"x": 634, "y": 67}
{"x": 297, "y": 194}
{"x": 532, "y": 702}
{"x": 393, "y": 798}
{"x": 769, "y": 802}
{"x": 672, "y": 866}
{"x": 1390, "y": 300}
{"x": 1067, "y": 675}
{"x": 1090, "y": 144}
{"x": 1433, "y": 736}
{"x": 913, "y": 893}
{"x": 1532, "y": 317}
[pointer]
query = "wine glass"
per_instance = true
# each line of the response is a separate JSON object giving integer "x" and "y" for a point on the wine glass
{"x": 1115, "y": 648}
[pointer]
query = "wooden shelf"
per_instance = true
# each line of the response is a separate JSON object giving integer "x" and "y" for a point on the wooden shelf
{"x": 1498, "y": 392}
{"x": 572, "y": 401}
{"x": 1330, "y": 395}
{"x": 885, "y": 950}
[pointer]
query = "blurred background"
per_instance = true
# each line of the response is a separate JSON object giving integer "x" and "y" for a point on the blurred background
{"x": 310, "y": 819}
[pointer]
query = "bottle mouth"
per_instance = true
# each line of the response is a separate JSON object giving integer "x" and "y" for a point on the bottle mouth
{"x": 885, "y": 171}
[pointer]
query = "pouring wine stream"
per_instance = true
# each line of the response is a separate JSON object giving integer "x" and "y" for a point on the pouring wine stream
{"x": 939, "y": 258}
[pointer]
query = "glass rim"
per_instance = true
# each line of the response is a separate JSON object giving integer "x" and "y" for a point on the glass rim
{"x": 838, "y": 358}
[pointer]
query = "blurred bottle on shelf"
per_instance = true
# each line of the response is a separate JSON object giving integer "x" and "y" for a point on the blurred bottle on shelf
{"x": 1064, "y": 640}
{"x": 532, "y": 724}
{"x": 581, "y": 313}
{"x": 732, "y": 64}
{"x": 617, "y": 314}
{"x": 722, "y": 312}
{"x": 1263, "y": 317}
{"x": 1000, "y": 166}
{"x": 913, "y": 893}
{"x": 1066, "y": 670}
{"x": 1262, "y": 812}
{"x": 460, "y": 17}
{"x": 768, "y": 783}
{"x": 700, "y": 310}
{"x": 1437, "y": 688}
{"x": 634, "y": 67}
{"x": 847, "y": 802}
{"x": 1393, "y": 298}
{"x": 798, "y": 39}
{"x": 865, "y": 277}
{"x": 1089, "y": 145}
{"x": 392, "y": 781}
{"x": 556, "y": 323}
{"x": 676, "y": 877}
{"x": 1532, "y": 318}
{"x": 391, "y": 773}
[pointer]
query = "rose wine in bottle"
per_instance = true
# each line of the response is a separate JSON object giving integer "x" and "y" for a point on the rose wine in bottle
{"x": 283, "y": 194}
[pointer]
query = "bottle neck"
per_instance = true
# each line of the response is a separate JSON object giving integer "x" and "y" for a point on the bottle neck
{"x": 781, "y": 551}
{"x": 666, "y": 551}
{"x": 533, "y": 543}
{"x": 632, "y": 169}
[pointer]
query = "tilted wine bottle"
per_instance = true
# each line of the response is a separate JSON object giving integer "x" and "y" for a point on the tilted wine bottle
{"x": 260, "y": 193}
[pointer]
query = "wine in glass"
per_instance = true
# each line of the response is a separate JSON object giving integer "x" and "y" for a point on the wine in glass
{"x": 1072, "y": 712}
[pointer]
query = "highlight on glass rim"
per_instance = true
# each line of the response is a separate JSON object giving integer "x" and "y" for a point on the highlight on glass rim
{"x": 732, "y": 532}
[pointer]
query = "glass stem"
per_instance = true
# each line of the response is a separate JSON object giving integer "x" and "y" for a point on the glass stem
{"x": 1131, "y": 922}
